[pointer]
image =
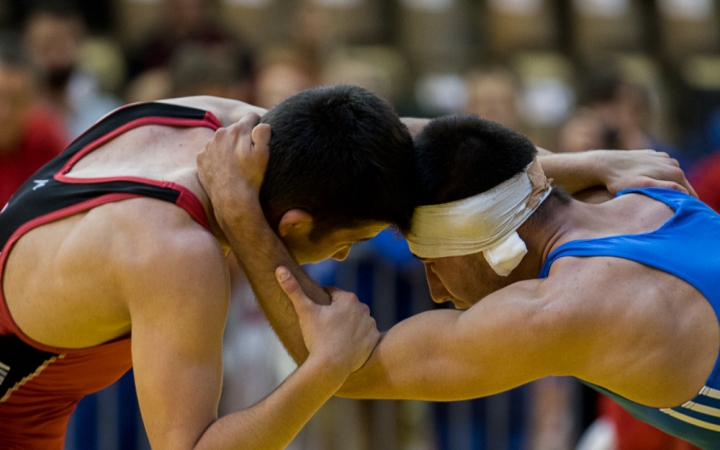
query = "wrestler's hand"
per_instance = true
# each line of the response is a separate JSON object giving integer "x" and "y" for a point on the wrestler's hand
{"x": 342, "y": 333}
{"x": 640, "y": 169}
{"x": 231, "y": 166}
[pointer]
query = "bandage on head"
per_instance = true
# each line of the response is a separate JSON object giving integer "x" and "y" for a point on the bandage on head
{"x": 486, "y": 222}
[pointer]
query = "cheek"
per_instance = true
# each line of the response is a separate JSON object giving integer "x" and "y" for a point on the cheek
{"x": 452, "y": 279}
{"x": 464, "y": 283}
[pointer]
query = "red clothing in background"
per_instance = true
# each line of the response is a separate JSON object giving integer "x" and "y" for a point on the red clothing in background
{"x": 706, "y": 181}
{"x": 43, "y": 138}
{"x": 633, "y": 434}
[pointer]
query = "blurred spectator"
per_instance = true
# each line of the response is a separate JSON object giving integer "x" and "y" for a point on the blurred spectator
{"x": 54, "y": 33}
{"x": 97, "y": 13}
{"x": 195, "y": 70}
{"x": 584, "y": 131}
{"x": 149, "y": 86}
{"x": 494, "y": 95}
{"x": 311, "y": 26}
{"x": 283, "y": 72}
{"x": 625, "y": 110}
{"x": 379, "y": 69}
{"x": 30, "y": 133}
{"x": 182, "y": 22}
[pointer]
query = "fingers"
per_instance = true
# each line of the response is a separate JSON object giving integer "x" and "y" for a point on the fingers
{"x": 337, "y": 295}
{"x": 685, "y": 185}
{"x": 244, "y": 129}
{"x": 665, "y": 184}
{"x": 261, "y": 143}
{"x": 261, "y": 135}
{"x": 247, "y": 122}
{"x": 291, "y": 287}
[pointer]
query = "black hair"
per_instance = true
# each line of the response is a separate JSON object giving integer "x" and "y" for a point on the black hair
{"x": 342, "y": 154}
{"x": 462, "y": 155}
{"x": 193, "y": 66}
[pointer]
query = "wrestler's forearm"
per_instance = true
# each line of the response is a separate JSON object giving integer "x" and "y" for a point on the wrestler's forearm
{"x": 573, "y": 171}
{"x": 615, "y": 170}
{"x": 272, "y": 423}
{"x": 259, "y": 252}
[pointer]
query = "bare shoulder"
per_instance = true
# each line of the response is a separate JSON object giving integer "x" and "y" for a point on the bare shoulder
{"x": 558, "y": 317}
{"x": 228, "y": 111}
{"x": 160, "y": 252}
{"x": 577, "y": 286}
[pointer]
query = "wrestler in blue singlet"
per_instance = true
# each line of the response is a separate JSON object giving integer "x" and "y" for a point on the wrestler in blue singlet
{"x": 688, "y": 247}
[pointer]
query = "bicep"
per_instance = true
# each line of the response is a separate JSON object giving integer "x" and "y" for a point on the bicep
{"x": 449, "y": 355}
{"x": 177, "y": 357}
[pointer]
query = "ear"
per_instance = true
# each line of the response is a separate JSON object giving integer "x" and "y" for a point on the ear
{"x": 294, "y": 223}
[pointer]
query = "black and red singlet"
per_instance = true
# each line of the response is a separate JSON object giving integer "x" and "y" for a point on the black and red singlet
{"x": 41, "y": 385}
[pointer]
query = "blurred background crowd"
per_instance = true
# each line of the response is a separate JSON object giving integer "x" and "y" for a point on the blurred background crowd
{"x": 573, "y": 75}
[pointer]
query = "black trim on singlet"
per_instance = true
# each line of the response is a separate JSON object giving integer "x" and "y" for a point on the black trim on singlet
{"x": 41, "y": 194}
{"x": 19, "y": 362}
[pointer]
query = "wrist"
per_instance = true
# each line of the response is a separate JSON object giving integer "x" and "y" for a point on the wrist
{"x": 588, "y": 170}
{"x": 598, "y": 171}
{"x": 331, "y": 369}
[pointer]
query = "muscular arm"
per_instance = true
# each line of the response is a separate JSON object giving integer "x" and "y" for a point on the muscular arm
{"x": 613, "y": 170}
{"x": 178, "y": 310}
{"x": 511, "y": 337}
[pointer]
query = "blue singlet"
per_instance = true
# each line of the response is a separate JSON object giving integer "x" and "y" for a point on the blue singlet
{"x": 688, "y": 247}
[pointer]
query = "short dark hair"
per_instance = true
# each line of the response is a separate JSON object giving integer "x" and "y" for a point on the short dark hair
{"x": 462, "y": 155}
{"x": 342, "y": 154}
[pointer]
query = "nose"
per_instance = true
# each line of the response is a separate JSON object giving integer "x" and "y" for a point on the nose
{"x": 342, "y": 254}
{"x": 438, "y": 292}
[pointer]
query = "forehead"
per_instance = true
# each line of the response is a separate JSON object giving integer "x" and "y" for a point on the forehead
{"x": 464, "y": 260}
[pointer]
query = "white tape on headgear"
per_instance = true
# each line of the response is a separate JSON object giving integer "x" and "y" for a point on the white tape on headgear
{"x": 485, "y": 223}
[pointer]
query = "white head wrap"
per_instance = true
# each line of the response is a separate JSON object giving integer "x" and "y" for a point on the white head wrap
{"x": 486, "y": 222}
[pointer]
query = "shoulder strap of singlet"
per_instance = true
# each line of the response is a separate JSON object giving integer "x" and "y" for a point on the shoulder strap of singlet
{"x": 49, "y": 190}
{"x": 613, "y": 245}
{"x": 686, "y": 246}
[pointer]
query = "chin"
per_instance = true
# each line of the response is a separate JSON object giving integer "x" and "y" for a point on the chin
{"x": 459, "y": 304}
{"x": 307, "y": 259}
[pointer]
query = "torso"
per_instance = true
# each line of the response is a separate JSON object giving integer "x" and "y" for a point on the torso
{"x": 80, "y": 301}
{"x": 645, "y": 334}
